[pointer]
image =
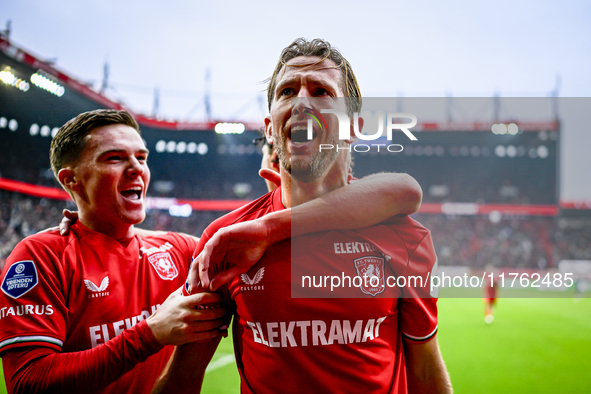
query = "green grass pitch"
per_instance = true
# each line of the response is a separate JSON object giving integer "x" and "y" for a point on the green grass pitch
{"x": 533, "y": 346}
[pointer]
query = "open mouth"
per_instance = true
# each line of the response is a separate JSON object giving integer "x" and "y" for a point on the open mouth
{"x": 299, "y": 134}
{"x": 133, "y": 193}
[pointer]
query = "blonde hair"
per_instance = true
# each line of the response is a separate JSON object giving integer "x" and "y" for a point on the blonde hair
{"x": 322, "y": 49}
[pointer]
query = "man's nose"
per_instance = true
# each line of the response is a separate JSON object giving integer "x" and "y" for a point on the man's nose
{"x": 135, "y": 167}
{"x": 301, "y": 103}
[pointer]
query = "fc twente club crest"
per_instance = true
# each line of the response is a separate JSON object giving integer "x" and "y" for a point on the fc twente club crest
{"x": 164, "y": 266}
{"x": 371, "y": 271}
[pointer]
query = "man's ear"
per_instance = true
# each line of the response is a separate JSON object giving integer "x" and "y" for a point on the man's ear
{"x": 268, "y": 129}
{"x": 352, "y": 135}
{"x": 68, "y": 179}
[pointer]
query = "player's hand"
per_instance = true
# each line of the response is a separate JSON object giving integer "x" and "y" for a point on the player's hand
{"x": 68, "y": 220}
{"x": 239, "y": 246}
{"x": 180, "y": 319}
{"x": 270, "y": 175}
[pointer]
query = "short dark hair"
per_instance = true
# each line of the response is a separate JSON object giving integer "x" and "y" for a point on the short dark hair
{"x": 322, "y": 49}
{"x": 70, "y": 141}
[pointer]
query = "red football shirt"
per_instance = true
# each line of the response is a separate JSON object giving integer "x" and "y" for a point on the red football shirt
{"x": 342, "y": 345}
{"x": 77, "y": 292}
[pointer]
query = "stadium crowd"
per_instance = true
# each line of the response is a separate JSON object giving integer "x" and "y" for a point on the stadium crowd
{"x": 453, "y": 185}
{"x": 467, "y": 190}
{"x": 475, "y": 241}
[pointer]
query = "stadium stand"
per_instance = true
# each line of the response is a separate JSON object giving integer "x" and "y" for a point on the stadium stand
{"x": 489, "y": 197}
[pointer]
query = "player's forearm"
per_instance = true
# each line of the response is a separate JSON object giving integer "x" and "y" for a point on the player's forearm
{"x": 37, "y": 370}
{"x": 185, "y": 370}
{"x": 425, "y": 369}
{"x": 434, "y": 381}
{"x": 363, "y": 203}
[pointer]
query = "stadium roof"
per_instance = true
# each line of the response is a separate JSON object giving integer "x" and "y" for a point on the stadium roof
{"x": 20, "y": 55}
{"x": 23, "y": 56}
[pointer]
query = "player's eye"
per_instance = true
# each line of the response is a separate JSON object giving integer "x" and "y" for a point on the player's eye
{"x": 113, "y": 158}
{"x": 287, "y": 91}
{"x": 322, "y": 92}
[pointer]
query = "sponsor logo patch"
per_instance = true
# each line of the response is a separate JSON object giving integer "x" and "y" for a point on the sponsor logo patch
{"x": 257, "y": 277}
{"x": 20, "y": 278}
{"x": 164, "y": 266}
{"x": 252, "y": 284}
{"x": 371, "y": 271}
{"x": 97, "y": 291}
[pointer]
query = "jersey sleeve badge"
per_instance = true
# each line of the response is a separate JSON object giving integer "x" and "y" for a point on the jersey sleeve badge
{"x": 20, "y": 278}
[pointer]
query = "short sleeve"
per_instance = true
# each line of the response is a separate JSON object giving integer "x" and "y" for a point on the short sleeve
{"x": 418, "y": 307}
{"x": 32, "y": 302}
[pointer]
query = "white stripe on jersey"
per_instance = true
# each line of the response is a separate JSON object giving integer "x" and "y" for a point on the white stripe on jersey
{"x": 31, "y": 338}
{"x": 420, "y": 338}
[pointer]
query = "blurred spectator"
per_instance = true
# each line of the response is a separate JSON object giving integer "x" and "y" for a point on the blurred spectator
{"x": 539, "y": 242}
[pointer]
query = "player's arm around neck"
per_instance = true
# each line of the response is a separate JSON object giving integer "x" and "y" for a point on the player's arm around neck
{"x": 363, "y": 203}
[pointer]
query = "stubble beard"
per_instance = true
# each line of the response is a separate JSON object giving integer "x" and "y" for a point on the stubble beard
{"x": 306, "y": 169}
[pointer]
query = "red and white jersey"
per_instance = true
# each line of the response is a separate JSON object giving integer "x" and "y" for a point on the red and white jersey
{"x": 76, "y": 292}
{"x": 340, "y": 345}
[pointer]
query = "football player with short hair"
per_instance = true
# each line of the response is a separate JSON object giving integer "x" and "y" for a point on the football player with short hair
{"x": 96, "y": 309}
